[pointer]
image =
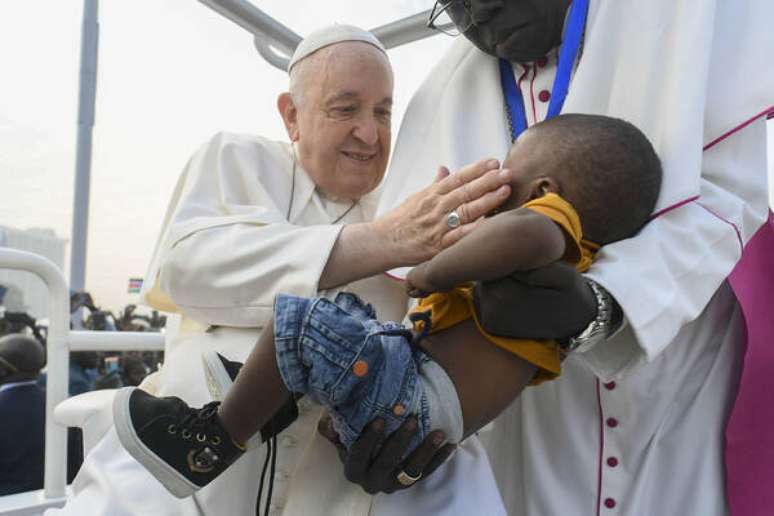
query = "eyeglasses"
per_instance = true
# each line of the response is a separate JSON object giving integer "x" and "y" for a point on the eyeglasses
{"x": 444, "y": 13}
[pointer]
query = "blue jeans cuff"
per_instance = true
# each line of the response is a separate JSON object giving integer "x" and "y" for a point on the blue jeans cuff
{"x": 289, "y": 315}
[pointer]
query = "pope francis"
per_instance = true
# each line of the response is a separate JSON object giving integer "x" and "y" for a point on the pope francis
{"x": 252, "y": 217}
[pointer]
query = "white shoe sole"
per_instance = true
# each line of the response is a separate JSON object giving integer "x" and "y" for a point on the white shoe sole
{"x": 169, "y": 477}
{"x": 218, "y": 380}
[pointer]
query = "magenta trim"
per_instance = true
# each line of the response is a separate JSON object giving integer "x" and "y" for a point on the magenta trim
{"x": 392, "y": 276}
{"x": 769, "y": 113}
{"x": 601, "y": 449}
{"x": 532, "y": 93}
{"x": 674, "y": 207}
{"x": 749, "y": 432}
{"x": 766, "y": 112}
{"x": 736, "y": 228}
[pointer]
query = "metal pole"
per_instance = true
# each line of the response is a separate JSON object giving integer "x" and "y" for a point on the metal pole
{"x": 86, "y": 101}
{"x": 255, "y": 21}
{"x": 276, "y": 42}
{"x": 405, "y": 30}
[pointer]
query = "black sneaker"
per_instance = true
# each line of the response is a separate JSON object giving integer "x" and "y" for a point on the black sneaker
{"x": 221, "y": 372}
{"x": 183, "y": 447}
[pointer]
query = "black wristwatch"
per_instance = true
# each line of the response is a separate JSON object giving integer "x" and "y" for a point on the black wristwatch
{"x": 608, "y": 320}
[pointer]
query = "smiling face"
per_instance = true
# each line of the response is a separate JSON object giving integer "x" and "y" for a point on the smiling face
{"x": 340, "y": 118}
{"x": 516, "y": 30}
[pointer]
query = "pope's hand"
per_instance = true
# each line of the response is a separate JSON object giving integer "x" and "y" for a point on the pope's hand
{"x": 418, "y": 229}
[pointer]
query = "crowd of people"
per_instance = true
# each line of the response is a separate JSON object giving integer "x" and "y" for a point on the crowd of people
{"x": 23, "y": 384}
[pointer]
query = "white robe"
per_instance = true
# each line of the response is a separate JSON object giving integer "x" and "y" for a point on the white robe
{"x": 227, "y": 247}
{"x": 635, "y": 426}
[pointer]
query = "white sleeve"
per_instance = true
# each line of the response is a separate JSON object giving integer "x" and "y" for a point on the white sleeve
{"x": 227, "y": 247}
{"x": 229, "y": 275}
{"x": 664, "y": 277}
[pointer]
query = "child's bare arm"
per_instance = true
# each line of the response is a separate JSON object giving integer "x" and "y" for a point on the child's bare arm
{"x": 519, "y": 239}
{"x": 486, "y": 377}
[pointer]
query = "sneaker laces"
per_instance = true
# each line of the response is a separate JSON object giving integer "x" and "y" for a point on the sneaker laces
{"x": 200, "y": 419}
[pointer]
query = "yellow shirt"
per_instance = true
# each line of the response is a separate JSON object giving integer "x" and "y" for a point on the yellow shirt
{"x": 450, "y": 308}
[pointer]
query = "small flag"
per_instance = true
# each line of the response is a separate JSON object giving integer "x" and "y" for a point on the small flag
{"x": 135, "y": 284}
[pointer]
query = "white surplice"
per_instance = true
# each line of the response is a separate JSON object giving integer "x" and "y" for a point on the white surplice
{"x": 635, "y": 426}
{"x": 228, "y": 245}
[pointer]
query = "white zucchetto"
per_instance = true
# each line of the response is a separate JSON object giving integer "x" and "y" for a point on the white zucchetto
{"x": 330, "y": 35}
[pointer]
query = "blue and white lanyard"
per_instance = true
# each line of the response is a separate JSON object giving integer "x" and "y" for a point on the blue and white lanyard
{"x": 568, "y": 52}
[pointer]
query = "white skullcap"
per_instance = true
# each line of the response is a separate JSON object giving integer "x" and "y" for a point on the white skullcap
{"x": 328, "y": 36}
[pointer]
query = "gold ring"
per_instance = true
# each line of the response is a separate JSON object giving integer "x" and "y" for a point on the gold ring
{"x": 406, "y": 480}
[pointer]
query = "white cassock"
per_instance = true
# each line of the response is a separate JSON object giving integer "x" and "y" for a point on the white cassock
{"x": 228, "y": 245}
{"x": 634, "y": 427}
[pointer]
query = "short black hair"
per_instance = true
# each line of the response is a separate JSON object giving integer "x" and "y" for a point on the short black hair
{"x": 607, "y": 169}
{"x": 22, "y": 357}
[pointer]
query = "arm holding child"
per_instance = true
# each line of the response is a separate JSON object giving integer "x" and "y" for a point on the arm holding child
{"x": 520, "y": 239}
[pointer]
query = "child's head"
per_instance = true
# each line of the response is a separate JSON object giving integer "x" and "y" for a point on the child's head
{"x": 605, "y": 167}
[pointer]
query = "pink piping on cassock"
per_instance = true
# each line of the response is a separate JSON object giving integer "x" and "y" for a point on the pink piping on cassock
{"x": 532, "y": 92}
{"x": 393, "y": 277}
{"x": 674, "y": 207}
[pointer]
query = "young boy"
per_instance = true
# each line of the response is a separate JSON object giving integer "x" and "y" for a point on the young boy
{"x": 574, "y": 176}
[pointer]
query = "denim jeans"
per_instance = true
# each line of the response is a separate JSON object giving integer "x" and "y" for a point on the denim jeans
{"x": 339, "y": 355}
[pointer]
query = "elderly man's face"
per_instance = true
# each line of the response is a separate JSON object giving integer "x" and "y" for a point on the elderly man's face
{"x": 342, "y": 120}
{"x": 516, "y": 30}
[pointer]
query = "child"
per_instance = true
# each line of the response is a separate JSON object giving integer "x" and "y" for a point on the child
{"x": 574, "y": 176}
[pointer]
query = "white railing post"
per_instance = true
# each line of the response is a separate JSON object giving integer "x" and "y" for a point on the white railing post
{"x": 58, "y": 358}
{"x": 58, "y": 346}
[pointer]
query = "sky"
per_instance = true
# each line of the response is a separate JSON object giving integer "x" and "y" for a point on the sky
{"x": 171, "y": 74}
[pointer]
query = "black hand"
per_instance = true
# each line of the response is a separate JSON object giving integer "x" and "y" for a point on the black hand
{"x": 553, "y": 302}
{"x": 377, "y": 472}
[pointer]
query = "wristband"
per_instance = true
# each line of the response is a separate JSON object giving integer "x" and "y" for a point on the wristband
{"x": 608, "y": 319}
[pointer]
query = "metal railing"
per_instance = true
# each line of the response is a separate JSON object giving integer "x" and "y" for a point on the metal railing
{"x": 276, "y": 42}
{"x": 60, "y": 342}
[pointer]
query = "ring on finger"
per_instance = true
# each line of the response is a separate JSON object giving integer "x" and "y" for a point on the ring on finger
{"x": 453, "y": 220}
{"x": 405, "y": 479}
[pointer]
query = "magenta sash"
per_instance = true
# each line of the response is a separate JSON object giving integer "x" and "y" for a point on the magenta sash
{"x": 749, "y": 452}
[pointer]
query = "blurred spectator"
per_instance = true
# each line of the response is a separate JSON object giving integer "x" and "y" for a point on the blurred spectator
{"x": 83, "y": 371}
{"x": 133, "y": 370}
{"x": 112, "y": 377}
{"x": 23, "y": 409}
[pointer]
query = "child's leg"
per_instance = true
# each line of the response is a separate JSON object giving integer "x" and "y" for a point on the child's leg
{"x": 357, "y": 367}
{"x": 258, "y": 391}
{"x": 487, "y": 378}
{"x": 346, "y": 360}
{"x": 330, "y": 351}
{"x": 361, "y": 369}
